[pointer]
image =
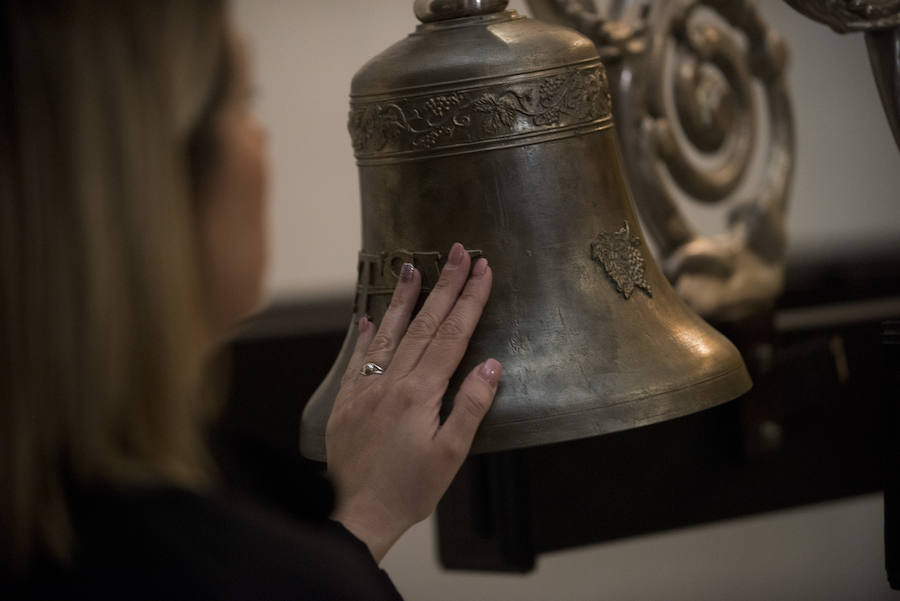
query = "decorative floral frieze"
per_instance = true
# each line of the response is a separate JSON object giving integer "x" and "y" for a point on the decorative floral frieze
{"x": 568, "y": 98}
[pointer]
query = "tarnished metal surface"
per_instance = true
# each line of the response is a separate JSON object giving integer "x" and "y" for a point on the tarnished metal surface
{"x": 704, "y": 118}
{"x": 845, "y": 16}
{"x": 495, "y": 130}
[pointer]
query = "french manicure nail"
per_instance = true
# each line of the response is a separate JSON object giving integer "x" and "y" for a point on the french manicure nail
{"x": 406, "y": 272}
{"x": 456, "y": 254}
{"x": 480, "y": 267}
{"x": 490, "y": 370}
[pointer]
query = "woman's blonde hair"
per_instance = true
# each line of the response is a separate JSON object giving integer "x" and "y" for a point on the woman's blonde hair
{"x": 102, "y": 324}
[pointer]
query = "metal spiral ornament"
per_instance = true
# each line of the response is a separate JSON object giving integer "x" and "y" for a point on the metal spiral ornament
{"x": 703, "y": 115}
{"x": 613, "y": 31}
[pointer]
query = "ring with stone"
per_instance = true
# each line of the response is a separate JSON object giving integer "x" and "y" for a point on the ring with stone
{"x": 371, "y": 369}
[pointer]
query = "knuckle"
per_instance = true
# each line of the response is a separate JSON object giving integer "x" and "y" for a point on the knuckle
{"x": 362, "y": 343}
{"x": 453, "y": 328}
{"x": 455, "y": 448}
{"x": 472, "y": 296}
{"x": 475, "y": 405}
{"x": 442, "y": 284}
{"x": 423, "y": 326}
{"x": 405, "y": 393}
{"x": 382, "y": 342}
{"x": 398, "y": 300}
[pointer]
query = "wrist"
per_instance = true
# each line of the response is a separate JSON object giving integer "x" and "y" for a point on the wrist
{"x": 372, "y": 524}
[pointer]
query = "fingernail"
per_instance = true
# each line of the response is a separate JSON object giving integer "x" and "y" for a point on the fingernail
{"x": 406, "y": 272}
{"x": 480, "y": 267}
{"x": 363, "y": 324}
{"x": 490, "y": 370}
{"x": 456, "y": 254}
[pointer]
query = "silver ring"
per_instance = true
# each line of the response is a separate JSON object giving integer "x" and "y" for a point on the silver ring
{"x": 371, "y": 369}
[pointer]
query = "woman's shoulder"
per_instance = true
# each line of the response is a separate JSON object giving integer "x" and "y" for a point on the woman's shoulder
{"x": 253, "y": 540}
{"x": 167, "y": 541}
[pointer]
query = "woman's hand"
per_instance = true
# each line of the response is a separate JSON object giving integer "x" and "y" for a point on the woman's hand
{"x": 389, "y": 456}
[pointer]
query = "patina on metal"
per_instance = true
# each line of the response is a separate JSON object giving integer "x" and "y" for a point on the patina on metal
{"x": 495, "y": 130}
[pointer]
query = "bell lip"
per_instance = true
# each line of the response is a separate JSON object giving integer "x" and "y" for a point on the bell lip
{"x": 683, "y": 401}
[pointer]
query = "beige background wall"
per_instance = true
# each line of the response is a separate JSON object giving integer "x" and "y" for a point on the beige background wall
{"x": 845, "y": 193}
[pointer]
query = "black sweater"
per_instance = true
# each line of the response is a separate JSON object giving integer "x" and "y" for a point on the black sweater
{"x": 266, "y": 536}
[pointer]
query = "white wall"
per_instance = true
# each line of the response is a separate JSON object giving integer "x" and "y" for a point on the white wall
{"x": 847, "y": 178}
{"x": 829, "y": 552}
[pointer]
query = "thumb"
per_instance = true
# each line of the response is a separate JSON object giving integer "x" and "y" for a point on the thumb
{"x": 470, "y": 406}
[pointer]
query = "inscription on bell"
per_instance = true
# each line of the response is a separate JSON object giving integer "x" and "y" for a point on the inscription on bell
{"x": 380, "y": 272}
{"x": 620, "y": 255}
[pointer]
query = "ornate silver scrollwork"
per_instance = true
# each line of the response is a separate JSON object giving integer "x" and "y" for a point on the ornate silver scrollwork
{"x": 704, "y": 119}
{"x": 880, "y": 20}
{"x": 845, "y": 16}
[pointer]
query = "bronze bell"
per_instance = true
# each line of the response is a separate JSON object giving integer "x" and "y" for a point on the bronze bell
{"x": 507, "y": 120}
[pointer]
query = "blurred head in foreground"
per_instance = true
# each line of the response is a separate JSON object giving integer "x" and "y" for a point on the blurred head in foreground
{"x": 132, "y": 191}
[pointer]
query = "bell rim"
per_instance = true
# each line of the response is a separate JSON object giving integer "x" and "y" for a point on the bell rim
{"x": 575, "y": 425}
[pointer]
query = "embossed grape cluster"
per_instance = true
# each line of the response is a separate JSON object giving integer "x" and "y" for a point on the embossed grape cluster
{"x": 620, "y": 255}
{"x": 431, "y": 138}
{"x": 549, "y": 87}
{"x": 439, "y": 105}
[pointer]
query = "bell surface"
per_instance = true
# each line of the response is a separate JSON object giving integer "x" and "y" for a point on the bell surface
{"x": 495, "y": 130}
